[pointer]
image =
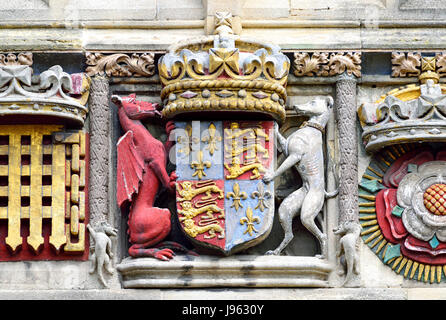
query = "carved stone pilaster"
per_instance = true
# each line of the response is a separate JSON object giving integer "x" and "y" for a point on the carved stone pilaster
{"x": 345, "y": 103}
{"x": 349, "y": 227}
{"x": 99, "y": 149}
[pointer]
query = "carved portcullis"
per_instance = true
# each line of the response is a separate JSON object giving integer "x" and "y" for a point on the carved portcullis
{"x": 43, "y": 167}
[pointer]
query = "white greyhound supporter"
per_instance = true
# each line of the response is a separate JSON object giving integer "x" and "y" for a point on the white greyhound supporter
{"x": 304, "y": 149}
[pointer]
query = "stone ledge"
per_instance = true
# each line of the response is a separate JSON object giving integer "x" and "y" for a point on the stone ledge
{"x": 223, "y": 294}
{"x": 234, "y": 271}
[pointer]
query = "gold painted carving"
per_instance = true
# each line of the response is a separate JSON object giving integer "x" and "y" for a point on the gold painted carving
{"x": 36, "y": 188}
{"x": 121, "y": 65}
{"x": 76, "y": 166}
{"x": 235, "y": 170}
{"x": 212, "y": 139}
{"x": 249, "y": 221}
{"x": 185, "y": 143}
{"x": 199, "y": 165}
{"x": 235, "y": 147}
{"x": 222, "y": 59}
{"x": 193, "y": 230}
{"x": 206, "y": 207}
{"x": 189, "y": 212}
{"x": 236, "y": 196}
{"x": 327, "y": 64}
{"x": 242, "y": 97}
{"x": 189, "y": 191}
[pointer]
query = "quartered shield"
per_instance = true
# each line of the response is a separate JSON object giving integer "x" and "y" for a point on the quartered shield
{"x": 222, "y": 202}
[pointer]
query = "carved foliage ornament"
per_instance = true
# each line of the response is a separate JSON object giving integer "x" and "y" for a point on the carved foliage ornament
{"x": 10, "y": 59}
{"x": 121, "y": 65}
{"x": 412, "y": 64}
{"x": 327, "y": 64}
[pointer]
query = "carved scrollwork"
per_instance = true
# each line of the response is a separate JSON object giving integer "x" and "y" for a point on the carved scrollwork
{"x": 21, "y": 59}
{"x": 306, "y": 65}
{"x": 121, "y": 65}
{"x": 327, "y": 64}
{"x": 406, "y": 64}
{"x": 441, "y": 63}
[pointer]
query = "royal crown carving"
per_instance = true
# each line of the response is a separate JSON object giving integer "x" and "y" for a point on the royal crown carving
{"x": 224, "y": 72}
{"x": 409, "y": 114}
{"x": 45, "y": 95}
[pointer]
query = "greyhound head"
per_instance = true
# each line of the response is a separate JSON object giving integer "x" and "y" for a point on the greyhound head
{"x": 318, "y": 109}
{"x": 136, "y": 109}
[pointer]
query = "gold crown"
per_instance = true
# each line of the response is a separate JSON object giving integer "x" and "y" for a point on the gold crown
{"x": 224, "y": 73}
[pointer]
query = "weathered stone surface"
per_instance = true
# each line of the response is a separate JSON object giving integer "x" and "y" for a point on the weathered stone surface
{"x": 234, "y": 271}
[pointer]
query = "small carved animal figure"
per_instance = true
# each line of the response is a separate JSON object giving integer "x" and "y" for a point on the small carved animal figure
{"x": 304, "y": 149}
{"x": 349, "y": 245}
{"x": 101, "y": 253}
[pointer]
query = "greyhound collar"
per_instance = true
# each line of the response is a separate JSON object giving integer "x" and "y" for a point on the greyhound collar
{"x": 313, "y": 125}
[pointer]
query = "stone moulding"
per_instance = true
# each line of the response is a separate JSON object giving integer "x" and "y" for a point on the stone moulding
{"x": 237, "y": 271}
{"x": 120, "y": 64}
{"x": 325, "y": 64}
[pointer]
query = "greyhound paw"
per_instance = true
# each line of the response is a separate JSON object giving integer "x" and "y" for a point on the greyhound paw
{"x": 268, "y": 177}
{"x": 271, "y": 253}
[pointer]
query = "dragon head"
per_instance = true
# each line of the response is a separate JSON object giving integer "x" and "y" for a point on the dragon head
{"x": 136, "y": 109}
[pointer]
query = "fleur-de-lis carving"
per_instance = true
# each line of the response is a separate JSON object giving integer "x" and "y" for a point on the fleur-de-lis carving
{"x": 249, "y": 220}
{"x": 237, "y": 196}
{"x": 187, "y": 140}
{"x": 199, "y": 165}
{"x": 262, "y": 195}
{"x": 212, "y": 139}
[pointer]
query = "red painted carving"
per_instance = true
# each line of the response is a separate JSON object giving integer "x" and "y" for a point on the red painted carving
{"x": 140, "y": 170}
{"x": 392, "y": 226}
{"x": 398, "y": 170}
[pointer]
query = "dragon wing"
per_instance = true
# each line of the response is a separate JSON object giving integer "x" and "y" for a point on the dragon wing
{"x": 130, "y": 168}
